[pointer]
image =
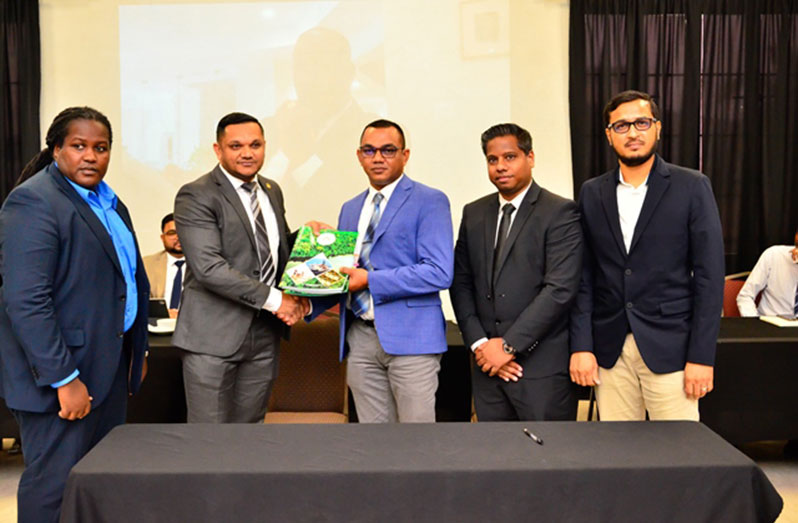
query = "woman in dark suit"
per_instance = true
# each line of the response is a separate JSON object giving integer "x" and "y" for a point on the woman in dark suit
{"x": 73, "y": 307}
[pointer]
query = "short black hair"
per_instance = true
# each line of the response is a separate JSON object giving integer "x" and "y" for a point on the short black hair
{"x": 629, "y": 96}
{"x": 508, "y": 129}
{"x": 383, "y": 124}
{"x": 166, "y": 219}
{"x": 233, "y": 119}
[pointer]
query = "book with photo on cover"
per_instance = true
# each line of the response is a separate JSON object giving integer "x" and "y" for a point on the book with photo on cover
{"x": 314, "y": 263}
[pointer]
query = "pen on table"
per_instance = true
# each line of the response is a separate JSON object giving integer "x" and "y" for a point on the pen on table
{"x": 533, "y": 437}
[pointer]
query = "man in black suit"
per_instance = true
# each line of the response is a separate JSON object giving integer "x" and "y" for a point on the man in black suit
{"x": 646, "y": 320}
{"x": 517, "y": 264}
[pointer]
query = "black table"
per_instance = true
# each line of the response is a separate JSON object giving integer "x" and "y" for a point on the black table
{"x": 756, "y": 393}
{"x": 656, "y": 471}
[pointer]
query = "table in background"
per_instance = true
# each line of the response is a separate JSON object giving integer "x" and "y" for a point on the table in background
{"x": 756, "y": 392}
{"x": 654, "y": 471}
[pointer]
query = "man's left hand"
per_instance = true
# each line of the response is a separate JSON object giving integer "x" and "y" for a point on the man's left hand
{"x": 358, "y": 278}
{"x": 697, "y": 380}
{"x": 490, "y": 356}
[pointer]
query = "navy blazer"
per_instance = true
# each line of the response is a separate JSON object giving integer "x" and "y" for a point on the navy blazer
{"x": 62, "y": 303}
{"x": 668, "y": 290}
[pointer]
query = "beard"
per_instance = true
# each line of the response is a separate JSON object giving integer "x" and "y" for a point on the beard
{"x": 174, "y": 251}
{"x": 640, "y": 159}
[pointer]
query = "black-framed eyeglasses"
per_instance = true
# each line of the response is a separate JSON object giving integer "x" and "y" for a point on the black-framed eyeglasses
{"x": 641, "y": 124}
{"x": 387, "y": 151}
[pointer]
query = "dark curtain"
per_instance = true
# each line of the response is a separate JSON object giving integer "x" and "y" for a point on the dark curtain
{"x": 20, "y": 87}
{"x": 724, "y": 76}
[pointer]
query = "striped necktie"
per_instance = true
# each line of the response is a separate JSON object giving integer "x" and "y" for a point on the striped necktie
{"x": 362, "y": 299}
{"x": 267, "y": 268}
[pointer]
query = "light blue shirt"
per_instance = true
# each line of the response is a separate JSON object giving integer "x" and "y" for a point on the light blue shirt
{"x": 102, "y": 202}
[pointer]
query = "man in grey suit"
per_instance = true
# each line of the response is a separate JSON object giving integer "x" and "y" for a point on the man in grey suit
{"x": 232, "y": 227}
{"x": 516, "y": 272}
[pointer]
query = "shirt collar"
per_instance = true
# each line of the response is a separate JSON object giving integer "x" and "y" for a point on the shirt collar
{"x": 629, "y": 185}
{"x": 172, "y": 259}
{"x": 102, "y": 194}
{"x": 386, "y": 191}
{"x": 235, "y": 182}
{"x": 518, "y": 198}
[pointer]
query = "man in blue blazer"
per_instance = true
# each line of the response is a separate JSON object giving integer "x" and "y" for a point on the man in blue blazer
{"x": 647, "y": 315}
{"x": 73, "y": 308}
{"x": 392, "y": 320}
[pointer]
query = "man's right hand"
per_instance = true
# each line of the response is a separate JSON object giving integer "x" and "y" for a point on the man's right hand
{"x": 74, "y": 400}
{"x": 584, "y": 369}
{"x": 318, "y": 226}
{"x": 292, "y": 309}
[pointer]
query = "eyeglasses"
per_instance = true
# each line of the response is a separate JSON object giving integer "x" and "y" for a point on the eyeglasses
{"x": 172, "y": 232}
{"x": 387, "y": 151}
{"x": 641, "y": 124}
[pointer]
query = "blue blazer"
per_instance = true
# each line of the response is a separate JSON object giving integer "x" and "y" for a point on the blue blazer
{"x": 62, "y": 299}
{"x": 413, "y": 259}
{"x": 668, "y": 290}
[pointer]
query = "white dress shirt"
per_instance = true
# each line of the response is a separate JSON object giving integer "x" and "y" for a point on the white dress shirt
{"x": 502, "y": 202}
{"x": 630, "y": 202}
{"x": 775, "y": 275}
{"x": 275, "y": 298}
{"x": 171, "y": 272}
{"x": 362, "y": 224}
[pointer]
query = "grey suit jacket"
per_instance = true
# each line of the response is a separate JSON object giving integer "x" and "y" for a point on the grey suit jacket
{"x": 535, "y": 284}
{"x": 221, "y": 290}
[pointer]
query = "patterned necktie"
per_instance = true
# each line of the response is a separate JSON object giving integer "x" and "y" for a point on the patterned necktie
{"x": 177, "y": 285}
{"x": 504, "y": 228}
{"x": 795, "y": 307}
{"x": 267, "y": 269}
{"x": 362, "y": 299}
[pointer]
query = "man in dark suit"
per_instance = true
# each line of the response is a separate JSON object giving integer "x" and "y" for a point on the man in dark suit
{"x": 232, "y": 227}
{"x": 73, "y": 307}
{"x": 517, "y": 264}
{"x": 647, "y": 316}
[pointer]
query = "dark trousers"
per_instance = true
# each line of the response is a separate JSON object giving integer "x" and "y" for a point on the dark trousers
{"x": 51, "y": 447}
{"x": 552, "y": 398}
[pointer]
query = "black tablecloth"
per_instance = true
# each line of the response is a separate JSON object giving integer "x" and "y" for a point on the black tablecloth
{"x": 756, "y": 393}
{"x": 656, "y": 471}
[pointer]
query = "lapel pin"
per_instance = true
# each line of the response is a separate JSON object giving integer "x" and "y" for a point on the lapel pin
{"x": 268, "y": 185}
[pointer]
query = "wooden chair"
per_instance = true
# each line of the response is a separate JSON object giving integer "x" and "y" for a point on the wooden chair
{"x": 311, "y": 384}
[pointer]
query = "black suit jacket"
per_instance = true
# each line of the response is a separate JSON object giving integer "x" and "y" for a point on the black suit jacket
{"x": 536, "y": 282}
{"x": 668, "y": 290}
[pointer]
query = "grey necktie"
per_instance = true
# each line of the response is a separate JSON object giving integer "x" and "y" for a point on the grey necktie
{"x": 261, "y": 237}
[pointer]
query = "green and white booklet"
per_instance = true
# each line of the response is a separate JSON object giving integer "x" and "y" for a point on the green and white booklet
{"x": 314, "y": 264}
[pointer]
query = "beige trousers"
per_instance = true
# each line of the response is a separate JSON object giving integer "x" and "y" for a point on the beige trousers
{"x": 630, "y": 388}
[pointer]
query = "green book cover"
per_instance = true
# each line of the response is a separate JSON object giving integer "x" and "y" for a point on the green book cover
{"x": 314, "y": 264}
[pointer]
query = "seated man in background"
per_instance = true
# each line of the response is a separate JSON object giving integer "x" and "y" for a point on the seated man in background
{"x": 165, "y": 268}
{"x": 775, "y": 275}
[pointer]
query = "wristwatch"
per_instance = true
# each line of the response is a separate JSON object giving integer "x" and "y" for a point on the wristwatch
{"x": 508, "y": 349}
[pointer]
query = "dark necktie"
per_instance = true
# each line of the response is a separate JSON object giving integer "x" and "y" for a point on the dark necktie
{"x": 361, "y": 299}
{"x": 504, "y": 228}
{"x": 795, "y": 307}
{"x": 177, "y": 285}
{"x": 261, "y": 237}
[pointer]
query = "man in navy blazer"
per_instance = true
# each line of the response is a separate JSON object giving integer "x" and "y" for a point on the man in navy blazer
{"x": 647, "y": 315}
{"x": 73, "y": 308}
{"x": 391, "y": 321}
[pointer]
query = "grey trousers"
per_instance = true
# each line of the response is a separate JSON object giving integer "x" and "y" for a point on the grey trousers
{"x": 236, "y": 388}
{"x": 389, "y": 388}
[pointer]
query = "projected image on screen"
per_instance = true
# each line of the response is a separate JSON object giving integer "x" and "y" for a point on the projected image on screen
{"x": 312, "y": 72}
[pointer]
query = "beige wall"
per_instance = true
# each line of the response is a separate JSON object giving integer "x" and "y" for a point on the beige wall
{"x": 429, "y": 72}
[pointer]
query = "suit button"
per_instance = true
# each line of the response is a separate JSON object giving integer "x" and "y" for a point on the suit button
{"x": 628, "y": 272}
{"x": 488, "y": 297}
{"x": 256, "y": 273}
{"x": 120, "y": 334}
{"x": 501, "y": 295}
{"x": 498, "y": 322}
{"x": 629, "y": 305}
{"x": 122, "y": 298}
